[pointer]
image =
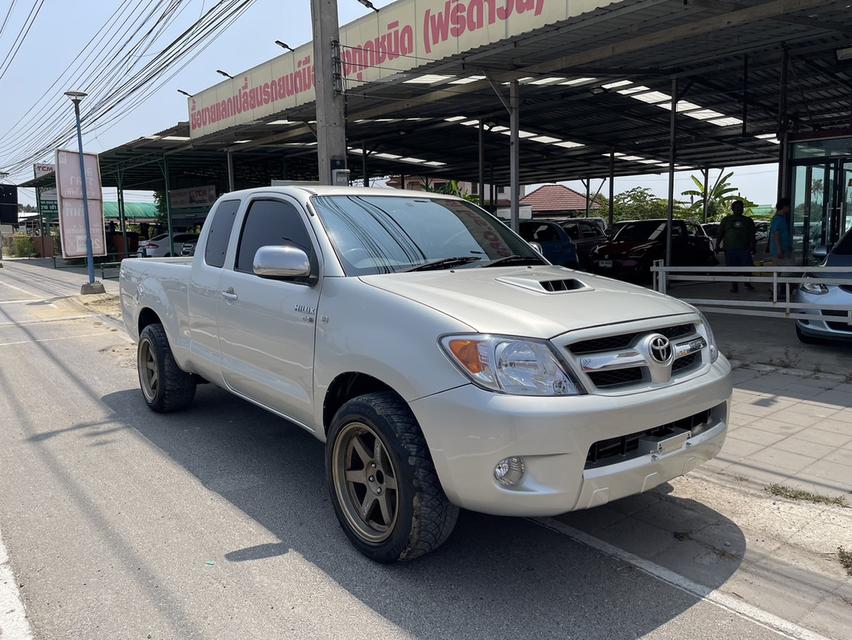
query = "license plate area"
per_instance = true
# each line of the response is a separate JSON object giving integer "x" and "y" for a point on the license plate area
{"x": 663, "y": 445}
{"x": 605, "y": 263}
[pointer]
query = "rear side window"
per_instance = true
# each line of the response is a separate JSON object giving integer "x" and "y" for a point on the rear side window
{"x": 271, "y": 222}
{"x": 220, "y": 232}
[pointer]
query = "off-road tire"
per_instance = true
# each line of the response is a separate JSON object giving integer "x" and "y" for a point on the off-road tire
{"x": 425, "y": 517}
{"x": 176, "y": 388}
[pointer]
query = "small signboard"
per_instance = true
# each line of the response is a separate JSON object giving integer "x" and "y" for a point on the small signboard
{"x": 8, "y": 204}
{"x": 72, "y": 223}
{"x": 47, "y": 195}
{"x": 193, "y": 197}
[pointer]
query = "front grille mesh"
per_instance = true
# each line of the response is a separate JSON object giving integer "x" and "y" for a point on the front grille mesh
{"x": 685, "y": 363}
{"x": 614, "y": 450}
{"x": 617, "y": 378}
{"x": 624, "y": 340}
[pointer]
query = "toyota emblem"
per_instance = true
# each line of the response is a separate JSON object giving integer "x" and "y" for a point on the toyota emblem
{"x": 661, "y": 349}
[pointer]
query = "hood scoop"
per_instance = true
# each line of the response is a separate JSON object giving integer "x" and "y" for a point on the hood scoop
{"x": 548, "y": 285}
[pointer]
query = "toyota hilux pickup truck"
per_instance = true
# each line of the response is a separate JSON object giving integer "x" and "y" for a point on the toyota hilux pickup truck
{"x": 441, "y": 359}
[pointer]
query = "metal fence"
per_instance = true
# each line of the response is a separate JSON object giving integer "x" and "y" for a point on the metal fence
{"x": 780, "y": 282}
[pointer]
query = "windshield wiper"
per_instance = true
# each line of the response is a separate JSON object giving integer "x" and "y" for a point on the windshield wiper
{"x": 515, "y": 259}
{"x": 443, "y": 263}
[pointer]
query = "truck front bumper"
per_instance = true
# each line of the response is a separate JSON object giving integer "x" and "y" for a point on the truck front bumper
{"x": 469, "y": 430}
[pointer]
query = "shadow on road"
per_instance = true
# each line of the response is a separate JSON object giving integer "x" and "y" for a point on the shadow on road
{"x": 495, "y": 577}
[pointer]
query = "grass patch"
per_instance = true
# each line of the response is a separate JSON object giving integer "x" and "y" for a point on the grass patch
{"x": 845, "y": 558}
{"x": 800, "y": 494}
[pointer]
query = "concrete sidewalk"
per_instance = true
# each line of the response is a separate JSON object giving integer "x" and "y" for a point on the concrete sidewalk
{"x": 790, "y": 427}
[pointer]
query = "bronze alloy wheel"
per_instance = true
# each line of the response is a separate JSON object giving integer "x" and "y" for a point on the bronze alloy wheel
{"x": 149, "y": 376}
{"x": 365, "y": 482}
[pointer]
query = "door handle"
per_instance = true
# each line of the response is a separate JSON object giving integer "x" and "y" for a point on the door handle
{"x": 229, "y": 295}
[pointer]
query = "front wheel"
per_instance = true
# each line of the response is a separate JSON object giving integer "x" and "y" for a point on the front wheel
{"x": 382, "y": 481}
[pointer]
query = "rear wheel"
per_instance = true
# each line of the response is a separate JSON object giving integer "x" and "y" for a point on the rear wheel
{"x": 165, "y": 386}
{"x": 382, "y": 481}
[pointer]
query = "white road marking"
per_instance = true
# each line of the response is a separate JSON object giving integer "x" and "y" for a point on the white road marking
{"x": 23, "y": 300}
{"x": 738, "y": 607}
{"x": 11, "y": 286}
{"x": 13, "y": 616}
{"x": 84, "y": 335}
{"x": 87, "y": 316}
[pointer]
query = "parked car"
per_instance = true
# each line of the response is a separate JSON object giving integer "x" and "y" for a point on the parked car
{"x": 188, "y": 247}
{"x": 827, "y": 324}
{"x": 440, "y": 359}
{"x": 711, "y": 229}
{"x": 555, "y": 242}
{"x": 158, "y": 246}
{"x": 637, "y": 244}
{"x": 586, "y": 235}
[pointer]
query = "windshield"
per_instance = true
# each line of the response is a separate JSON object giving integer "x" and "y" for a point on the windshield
{"x": 641, "y": 231}
{"x": 384, "y": 234}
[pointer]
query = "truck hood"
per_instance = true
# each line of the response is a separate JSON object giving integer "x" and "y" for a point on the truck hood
{"x": 513, "y": 300}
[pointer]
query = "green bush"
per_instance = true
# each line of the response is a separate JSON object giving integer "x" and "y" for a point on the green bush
{"x": 23, "y": 246}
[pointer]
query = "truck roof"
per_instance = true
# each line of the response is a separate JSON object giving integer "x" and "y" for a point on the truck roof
{"x": 323, "y": 190}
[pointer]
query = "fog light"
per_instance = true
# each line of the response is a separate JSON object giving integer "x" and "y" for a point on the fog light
{"x": 509, "y": 471}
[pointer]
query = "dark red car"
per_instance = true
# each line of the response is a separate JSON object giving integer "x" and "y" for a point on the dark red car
{"x": 630, "y": 253}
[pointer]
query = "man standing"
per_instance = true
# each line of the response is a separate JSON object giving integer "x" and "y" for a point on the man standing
{"x": 736, "y": 237}
{"x": 780, "y": 237}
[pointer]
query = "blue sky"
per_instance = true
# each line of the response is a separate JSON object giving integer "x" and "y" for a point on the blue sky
{"x": 63, "y": 27}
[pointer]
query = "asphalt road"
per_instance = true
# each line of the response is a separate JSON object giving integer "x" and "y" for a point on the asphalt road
{"x": 215, "y": 522}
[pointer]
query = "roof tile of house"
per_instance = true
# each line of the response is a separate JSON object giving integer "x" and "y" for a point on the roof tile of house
{"x": 553, "y": 198}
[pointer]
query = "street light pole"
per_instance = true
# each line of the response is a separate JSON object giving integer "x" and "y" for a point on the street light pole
{"x": 91, "y": 287}
{"x": 3, "y": 176}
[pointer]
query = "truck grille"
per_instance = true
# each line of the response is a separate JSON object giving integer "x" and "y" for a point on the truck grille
{"x": 616, "y": 362}
{"x": 617, "y": 378}
{"x": 615, "y": 450}
{"x": 624, "y": 340}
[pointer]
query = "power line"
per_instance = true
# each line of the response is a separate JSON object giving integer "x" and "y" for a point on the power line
{"x": 22, "y": 35}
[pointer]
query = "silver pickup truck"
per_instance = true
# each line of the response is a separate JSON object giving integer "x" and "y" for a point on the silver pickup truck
{"x": 443, "y": 362}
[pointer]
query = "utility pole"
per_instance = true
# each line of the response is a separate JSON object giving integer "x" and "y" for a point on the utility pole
{"x": 3, "y": 176}
{"x": 328, "y": 81}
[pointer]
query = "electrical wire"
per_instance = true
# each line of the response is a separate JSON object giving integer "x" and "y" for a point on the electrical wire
{"x": 119, "y": 95}
{"x": 6, "y": 18}
{"x": 19, "y": 39}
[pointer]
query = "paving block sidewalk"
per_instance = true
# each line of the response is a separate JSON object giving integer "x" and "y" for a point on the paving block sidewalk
{"x": 790, "y": 427}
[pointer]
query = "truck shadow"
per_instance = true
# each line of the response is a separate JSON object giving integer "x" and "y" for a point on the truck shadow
{"x": 495, "y": 577}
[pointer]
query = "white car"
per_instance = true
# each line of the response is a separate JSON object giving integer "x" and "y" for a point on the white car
{"x": 443, "y": 362}
{"x": 159, "y": 247}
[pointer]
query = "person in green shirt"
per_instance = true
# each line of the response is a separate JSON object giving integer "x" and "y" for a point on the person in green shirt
{"x": 736, "y": 238}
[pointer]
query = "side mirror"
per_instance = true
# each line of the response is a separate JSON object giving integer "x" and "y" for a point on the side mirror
{"x": 282, "y": 262}
{"x": 537, "y": 247}
{"x": 821, "y": 253}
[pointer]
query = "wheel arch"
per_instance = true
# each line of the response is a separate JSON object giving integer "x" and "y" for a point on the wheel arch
{"x": 346, "y": 386}
{"x": 147, "y": 316}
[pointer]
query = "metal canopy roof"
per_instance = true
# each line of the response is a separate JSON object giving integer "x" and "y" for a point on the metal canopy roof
{"x": 587, "y": 89}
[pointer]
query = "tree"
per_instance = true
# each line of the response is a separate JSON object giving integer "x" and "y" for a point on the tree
{"x": 719, "y": 197}
{"x": 160, "y": 201}
{"x": 450, "y": 188}
{"x": 640, "y": 203}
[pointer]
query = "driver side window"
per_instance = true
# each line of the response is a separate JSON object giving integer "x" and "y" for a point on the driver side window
{"x": 271, "y": 222}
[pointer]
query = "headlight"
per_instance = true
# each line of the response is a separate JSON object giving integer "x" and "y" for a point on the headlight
{"x": 711, "y": 339}
{"x": 812, "y": 287}
{"x": 516, "y": 366}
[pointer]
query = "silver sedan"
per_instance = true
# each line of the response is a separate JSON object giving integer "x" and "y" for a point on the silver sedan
{"x": 832, "y": 325}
